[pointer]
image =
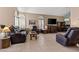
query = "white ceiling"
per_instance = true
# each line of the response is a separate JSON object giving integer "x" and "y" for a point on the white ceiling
{"x": 58, "y": 11}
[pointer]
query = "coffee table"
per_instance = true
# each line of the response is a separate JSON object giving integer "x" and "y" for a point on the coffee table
{"x": 33, "y": 34}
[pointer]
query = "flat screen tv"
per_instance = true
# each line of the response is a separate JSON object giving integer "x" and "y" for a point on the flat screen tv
{"x": 51, "y": 21}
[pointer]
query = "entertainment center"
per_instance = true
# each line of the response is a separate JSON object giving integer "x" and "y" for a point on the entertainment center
{"x": 52, "y": 25}
{"x": 52, "y": 21}
{"x": 52, "y": 29}
{"x": 55, "y": 26}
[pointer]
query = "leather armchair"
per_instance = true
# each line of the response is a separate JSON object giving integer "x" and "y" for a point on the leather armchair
{"x": 35, "y": 29}
{"x": 70, "y": 38}
{"x": 17, "y": 35}
{"x": 18, "y": 38}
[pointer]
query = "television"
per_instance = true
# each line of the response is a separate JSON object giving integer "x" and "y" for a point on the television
{"x": 51, "y": 21}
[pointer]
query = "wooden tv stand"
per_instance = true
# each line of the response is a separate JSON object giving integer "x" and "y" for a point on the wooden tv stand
{"x": 52, "y": 29}
{"x": 59, "y": 27}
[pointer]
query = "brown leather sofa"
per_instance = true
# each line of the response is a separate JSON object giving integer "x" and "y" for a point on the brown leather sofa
{"x": 17, "y": 35}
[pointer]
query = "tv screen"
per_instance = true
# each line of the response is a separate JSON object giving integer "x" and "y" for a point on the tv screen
{"x": 51, "y": 21}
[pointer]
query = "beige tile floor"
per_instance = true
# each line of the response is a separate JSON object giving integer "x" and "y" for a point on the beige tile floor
{"x": 44, "y": 43}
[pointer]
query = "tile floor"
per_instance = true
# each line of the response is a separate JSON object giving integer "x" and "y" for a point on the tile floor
{"x": 44, "y": 43}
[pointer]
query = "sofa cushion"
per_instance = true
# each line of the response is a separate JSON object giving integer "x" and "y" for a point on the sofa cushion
{"x": 61, "y": 39}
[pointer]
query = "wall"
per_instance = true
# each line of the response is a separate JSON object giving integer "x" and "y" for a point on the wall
{"x": 7, "y": 15}
{"x": 30, "y": 16}
{"x": 74, "y": 17}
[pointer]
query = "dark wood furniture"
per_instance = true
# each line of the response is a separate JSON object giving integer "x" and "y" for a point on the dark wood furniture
{"x": 45, "y": 31}
{"x": 52, "y": 29}
{"x": 60, "y": 26}
{"x": 33, "y": 34}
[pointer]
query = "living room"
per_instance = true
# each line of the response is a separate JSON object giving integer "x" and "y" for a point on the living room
{"x": 37, "y": 29}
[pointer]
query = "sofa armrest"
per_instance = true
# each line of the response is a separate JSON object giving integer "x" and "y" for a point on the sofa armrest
{"x": 61, "y": 39}
{"x": 61, "y": 36}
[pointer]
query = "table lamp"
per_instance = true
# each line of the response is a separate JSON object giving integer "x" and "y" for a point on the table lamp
{"x": 45, "y": 27}
{"x": 6, "y": 30}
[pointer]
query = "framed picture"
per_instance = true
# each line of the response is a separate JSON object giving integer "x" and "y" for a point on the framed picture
{"x": 32, "y": 22}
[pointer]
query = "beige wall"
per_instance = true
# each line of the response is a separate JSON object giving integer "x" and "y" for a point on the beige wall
{"x": 74, "y": 17}
{"x": 30, "y": 16}
{"x": 7, "y": 15}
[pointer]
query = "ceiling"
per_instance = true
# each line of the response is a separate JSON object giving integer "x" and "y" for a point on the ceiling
{"x": 58, "y": 11}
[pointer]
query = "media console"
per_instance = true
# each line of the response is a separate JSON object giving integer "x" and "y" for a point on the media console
{"x": 55, "y": 26}
{"x": 58, "y": 27}
{"x": 52, "y": 29}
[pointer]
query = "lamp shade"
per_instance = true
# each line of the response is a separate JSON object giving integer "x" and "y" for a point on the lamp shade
{"x": 66, "y": 19}
{"x": 45, "y": 27}
{"x": 6, "y": 29}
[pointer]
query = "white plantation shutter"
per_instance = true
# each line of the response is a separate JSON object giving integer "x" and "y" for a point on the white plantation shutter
{"x": 20, "y": 21}
{"x": 41, "y": 22}
{"x": 16, "y": 21}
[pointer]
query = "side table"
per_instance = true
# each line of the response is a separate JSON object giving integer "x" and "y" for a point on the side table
{"x": 4, "y": 42}
{"x": 33, "y": 34}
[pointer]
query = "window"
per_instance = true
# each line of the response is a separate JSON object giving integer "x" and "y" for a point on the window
{"x": 16, "y": 21}
{"x": 20, "y": 21}
{"x": 41, "y": 23}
